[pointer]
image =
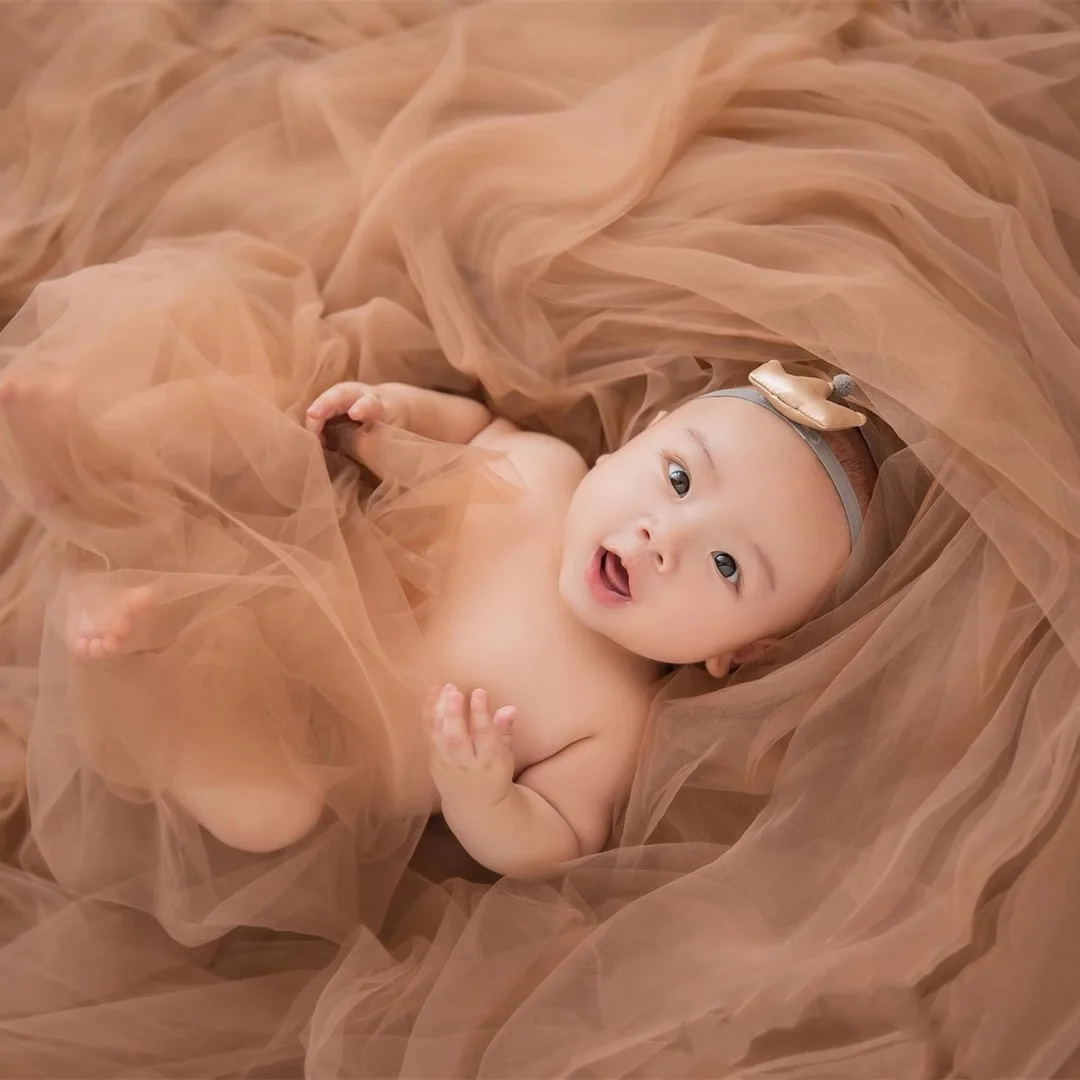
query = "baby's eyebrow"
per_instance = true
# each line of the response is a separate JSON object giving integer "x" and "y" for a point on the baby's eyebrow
{"x": 700, "y": 440}
{"x": 766, "y": 565}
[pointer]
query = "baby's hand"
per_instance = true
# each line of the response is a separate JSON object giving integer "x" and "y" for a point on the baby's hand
{"x": 470, "y": 754}
{"x": 358, "y": 401}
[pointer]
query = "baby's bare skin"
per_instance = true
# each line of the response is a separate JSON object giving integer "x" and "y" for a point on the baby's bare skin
{"x": 709, "y": 532}
{"x": 500, "y": 625}
{"x": 581, "y": 702}
{"x": 698, "y": 541}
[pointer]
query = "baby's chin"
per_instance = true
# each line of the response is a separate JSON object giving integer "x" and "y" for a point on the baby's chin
{"x": 634, "y": 636}
{"x": 653, "y": 647}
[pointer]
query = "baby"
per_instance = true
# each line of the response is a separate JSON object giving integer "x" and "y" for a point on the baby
{"x": 722, "y": 526}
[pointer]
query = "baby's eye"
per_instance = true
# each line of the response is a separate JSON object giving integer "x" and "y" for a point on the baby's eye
{"x": 727, "y": 566}
{"x": 678, "y": 478}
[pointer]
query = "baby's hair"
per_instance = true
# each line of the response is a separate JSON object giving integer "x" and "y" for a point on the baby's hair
{"x": 856, "y": 460}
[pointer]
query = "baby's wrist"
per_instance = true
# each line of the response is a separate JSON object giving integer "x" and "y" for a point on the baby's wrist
{"x": 469, "y": 797}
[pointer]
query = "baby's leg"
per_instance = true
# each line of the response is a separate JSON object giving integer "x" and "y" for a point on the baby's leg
{"x": 105, "y": 465}
{"x": 40, "y": 415}
{"x": 60, "y": 457}
{"x": 263, "y": 816}
{"x": 233, "y": 775}
{"x": 239, "y": 782}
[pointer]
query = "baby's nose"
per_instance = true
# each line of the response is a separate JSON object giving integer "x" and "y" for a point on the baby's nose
{"x": 658, "y": 545}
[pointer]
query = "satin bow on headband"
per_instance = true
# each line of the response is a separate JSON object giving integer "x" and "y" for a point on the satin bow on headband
{"x": 805, "y": 400}
{"x": 807, "y": 405}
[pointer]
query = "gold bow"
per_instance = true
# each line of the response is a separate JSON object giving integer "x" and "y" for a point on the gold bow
{"x": 805, "y": 400}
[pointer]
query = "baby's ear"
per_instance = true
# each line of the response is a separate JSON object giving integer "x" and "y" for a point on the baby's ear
{"x": 719, "y": 667}
{"x": 755, "y": 651}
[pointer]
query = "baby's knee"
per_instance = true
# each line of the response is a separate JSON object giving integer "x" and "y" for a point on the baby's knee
{"x": 257, "y": 820}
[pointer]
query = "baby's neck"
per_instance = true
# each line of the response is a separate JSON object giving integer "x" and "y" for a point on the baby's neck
{"x": 640, "y": 669}
{"x": 647, "y": 670}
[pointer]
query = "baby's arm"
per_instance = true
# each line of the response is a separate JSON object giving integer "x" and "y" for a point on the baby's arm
{"x": 557, "y": 810}
{"x": 431, "y": 414}
{"x": 442, "y": 417}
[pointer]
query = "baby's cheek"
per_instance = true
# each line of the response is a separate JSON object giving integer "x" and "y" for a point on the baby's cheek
{"x": 661, "y": 632}
{"x": 698, "y": 627}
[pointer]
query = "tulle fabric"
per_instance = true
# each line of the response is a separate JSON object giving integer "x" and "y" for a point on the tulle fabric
{"x": 856, "y": 858}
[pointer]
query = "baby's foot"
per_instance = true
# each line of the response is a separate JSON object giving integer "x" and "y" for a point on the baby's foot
{"x": 101, "y": 618}
{"x": 39, "y": 413}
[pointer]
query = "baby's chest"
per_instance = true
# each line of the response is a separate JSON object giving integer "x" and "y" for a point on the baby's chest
{"x": 500, "y": 625}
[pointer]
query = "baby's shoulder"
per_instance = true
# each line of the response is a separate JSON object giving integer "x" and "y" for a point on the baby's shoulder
{"x": 535, "y": 456}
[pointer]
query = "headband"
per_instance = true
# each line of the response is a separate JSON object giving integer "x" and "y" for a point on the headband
{"x": 805, "y": 405}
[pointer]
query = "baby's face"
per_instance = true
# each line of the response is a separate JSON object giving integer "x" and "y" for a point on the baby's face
{"x": 714, "y": 529}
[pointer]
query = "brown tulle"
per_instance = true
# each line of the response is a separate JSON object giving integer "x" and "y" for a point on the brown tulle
{"x": 857, "y": 858}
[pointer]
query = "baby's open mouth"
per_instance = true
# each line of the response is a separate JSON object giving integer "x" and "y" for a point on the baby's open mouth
{"x": 615, "y": 576}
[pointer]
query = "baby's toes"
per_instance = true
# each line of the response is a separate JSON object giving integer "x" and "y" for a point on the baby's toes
{"x": 96, "y": 649}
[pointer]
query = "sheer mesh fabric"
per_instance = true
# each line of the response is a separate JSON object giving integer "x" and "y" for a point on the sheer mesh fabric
{"x": 856, "y": 858}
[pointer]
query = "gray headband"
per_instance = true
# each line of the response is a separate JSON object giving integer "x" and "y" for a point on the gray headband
{"x": 820, "y": 447}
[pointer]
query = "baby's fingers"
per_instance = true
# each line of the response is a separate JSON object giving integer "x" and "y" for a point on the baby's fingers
{"x": 480, "y": 721}
{"x": 503, "y": 720}
{"x": 489, "y": 731}
{"x": 368, "y": 408}
{"x": 451, "y": 736}
{"x": 333, "y": 402}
